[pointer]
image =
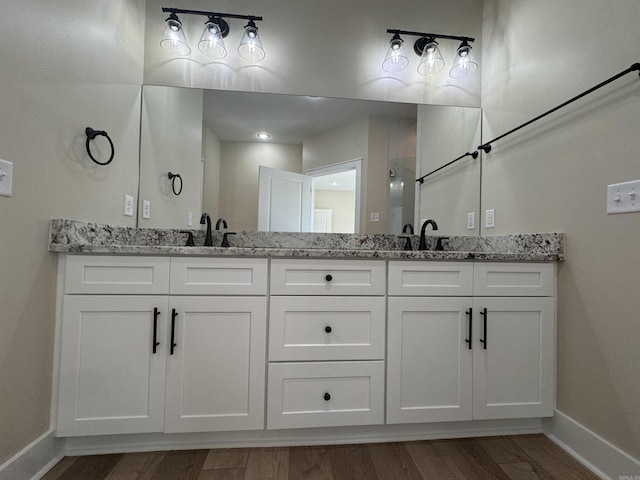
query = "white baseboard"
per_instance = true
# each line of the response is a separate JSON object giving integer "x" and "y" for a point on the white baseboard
{"x": 34, "y": 460}
{"x": 597, "y": 454}
{"x": 308, "y": 436}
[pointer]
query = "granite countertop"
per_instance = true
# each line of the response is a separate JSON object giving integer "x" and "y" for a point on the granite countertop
{"x": 70, "y": 236}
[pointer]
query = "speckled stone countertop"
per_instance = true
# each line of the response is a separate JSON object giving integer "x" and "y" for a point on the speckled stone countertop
{"x": 70, "y": 236}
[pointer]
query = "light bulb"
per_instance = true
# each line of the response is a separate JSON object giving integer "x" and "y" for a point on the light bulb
{"x": 395, "y": 59}
{"x": 465, "y": 65}
{"x": 174, "y": 40}
{"x": 431, "y": 61}
{"x": 211, "y": 42}
{"x": 250, "y": 47}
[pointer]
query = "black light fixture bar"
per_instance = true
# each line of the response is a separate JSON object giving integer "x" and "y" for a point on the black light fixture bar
{"x": 474, "y": 155}
{"x": 210, "y": 14}
{"x": 486, "y": 147}
{"x": 430, "y": 35}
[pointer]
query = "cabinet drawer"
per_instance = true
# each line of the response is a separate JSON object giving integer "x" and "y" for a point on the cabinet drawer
{"x": 87, "y": 274}
{"x": 430, "y": 278}
{"x": 325, "y": 394}
{"x": 218, "y": 276}
{"x": 326, "y": 328}
{"x": 514, "y": 279}
{"x": 327, "y": 277}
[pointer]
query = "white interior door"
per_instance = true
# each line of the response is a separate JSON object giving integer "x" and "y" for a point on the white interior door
{"x": 322, "y": 220}
{"x": 284, "y": 201}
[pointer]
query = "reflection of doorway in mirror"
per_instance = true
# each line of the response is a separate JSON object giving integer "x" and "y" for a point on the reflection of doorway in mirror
{"x": 336, "y": 188}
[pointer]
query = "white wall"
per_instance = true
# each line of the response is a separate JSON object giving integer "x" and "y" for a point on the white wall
{"x": 239, "y": 167}
{"x": 64, "y": 66}
{"x": 330, "y": 48}
{"x": 553, "y": 177}
{"x": 171, "y": 141}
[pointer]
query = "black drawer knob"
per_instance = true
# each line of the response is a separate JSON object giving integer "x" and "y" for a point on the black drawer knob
{"x": 328, "y": 278}
{"x": 327, "y": 329}
{"x": 327, "y": 397}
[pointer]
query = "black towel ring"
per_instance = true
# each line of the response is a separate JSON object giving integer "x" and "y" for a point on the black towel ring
{"x": 91, "y": 134}
{"x": 172, "y": 177}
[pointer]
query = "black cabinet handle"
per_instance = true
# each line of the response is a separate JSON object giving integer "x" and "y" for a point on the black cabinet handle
{"x": 483, "y": 341}
{"x": 174, "y": 314}
{"x": 327, "y": 329}
{"x": 156, "y": 313}
{"x": 328, "y": 277}
{"x": 327, "y": 397}
{"x": 470, "y": 320}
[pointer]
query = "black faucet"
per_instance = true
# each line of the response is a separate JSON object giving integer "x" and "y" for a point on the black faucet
{"x": 409, "y": 227}
{"x": 423, "y": 242}
{"x": 208, "y": 242}
{"x": 221, "y": 221}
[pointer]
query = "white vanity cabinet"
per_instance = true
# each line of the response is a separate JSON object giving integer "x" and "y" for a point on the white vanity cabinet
{"x": 326, "y": 343}
{"x": 469, "y": 355}
{"x": 151, "y": 344}
{"x": 186, "y": 356}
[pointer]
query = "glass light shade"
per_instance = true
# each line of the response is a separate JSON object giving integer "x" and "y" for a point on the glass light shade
{"x": 174, "y": 40}
{"x": 396, "y": 58}
{"x": 211, "y": 42}
{"x": 465, "y": 64}
{"x": 431, "y": 61}
{"x": 250, "y": 47}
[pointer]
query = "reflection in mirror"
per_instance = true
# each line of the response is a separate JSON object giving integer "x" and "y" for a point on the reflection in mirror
{"x": 451, "y": 194}
{"x": 210, "y": 138}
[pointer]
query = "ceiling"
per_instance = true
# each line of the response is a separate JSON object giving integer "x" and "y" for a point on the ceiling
{"x": 239, "y": 116}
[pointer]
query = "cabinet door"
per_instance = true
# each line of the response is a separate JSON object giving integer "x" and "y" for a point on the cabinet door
{"x": 429, "y": 363}
{"x": 216, "y": 370}
{"x": 111, "y": 376}
{"x": 513, "y": 357}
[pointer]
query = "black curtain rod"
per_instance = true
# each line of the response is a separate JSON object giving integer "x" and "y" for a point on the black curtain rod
{"x": 474, "y": 155}
{"x": 486, "y": 147}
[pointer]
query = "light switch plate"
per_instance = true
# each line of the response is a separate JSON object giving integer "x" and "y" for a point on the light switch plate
{"x": 6, "y": 178}
{"x": 623, "y": 197}
{"x": 374, "y": 217}
{"x": 128, "y": 205}
{"x": 471, "y": 221}
{"x": 490, "y": 218}
{"x": 146, "y": 209}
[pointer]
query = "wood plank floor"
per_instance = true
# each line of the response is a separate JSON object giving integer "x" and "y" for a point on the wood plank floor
{"x": 522, "y": 457}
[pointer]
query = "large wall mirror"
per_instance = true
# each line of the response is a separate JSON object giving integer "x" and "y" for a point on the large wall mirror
{"x": 359, "y": 157}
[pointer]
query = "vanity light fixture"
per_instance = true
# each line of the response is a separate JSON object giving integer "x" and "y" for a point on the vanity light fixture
{"x": 431, "y": 61}
{"x": 215, "y": 31}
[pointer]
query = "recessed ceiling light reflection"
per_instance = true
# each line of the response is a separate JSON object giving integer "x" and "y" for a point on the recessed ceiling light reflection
{"x": 263, "y": 136}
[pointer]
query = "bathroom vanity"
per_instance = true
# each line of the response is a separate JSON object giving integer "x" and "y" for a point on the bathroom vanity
{"x": 275, "y": 342}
